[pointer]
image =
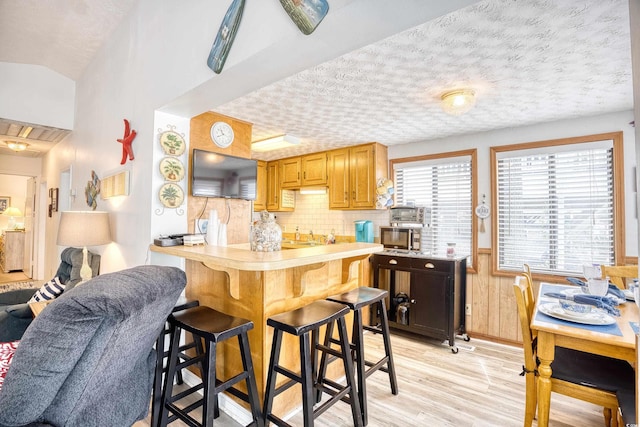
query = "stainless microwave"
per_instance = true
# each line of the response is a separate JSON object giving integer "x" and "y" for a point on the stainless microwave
{"x": 401, "y": 238}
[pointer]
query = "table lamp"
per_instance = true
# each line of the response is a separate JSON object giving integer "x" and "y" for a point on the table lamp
{"x": 84, "y": 228}
{"x": 12, "y": 212}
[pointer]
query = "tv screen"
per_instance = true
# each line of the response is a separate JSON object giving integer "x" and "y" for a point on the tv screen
{"x": 219, "y": 175}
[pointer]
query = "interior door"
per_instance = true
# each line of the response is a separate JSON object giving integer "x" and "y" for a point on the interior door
{"x": 29, "y": 213}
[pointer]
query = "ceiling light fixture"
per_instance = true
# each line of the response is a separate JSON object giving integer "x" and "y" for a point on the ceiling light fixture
{"x": 458, "y": 102}
{"x": 275, "y": 143}
{"x": 17, "y": 145}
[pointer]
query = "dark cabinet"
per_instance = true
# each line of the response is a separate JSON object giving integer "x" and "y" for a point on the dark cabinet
{"x": 431, "y": 289}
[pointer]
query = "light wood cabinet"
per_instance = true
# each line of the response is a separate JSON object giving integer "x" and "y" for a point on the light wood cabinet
{"x": 290, "y": 174}
{"x": 12, "y": 251}
{"x": 314, "y": 169}
{"x": 278, "y": 199}
{"x": 260, "y": 203}
{"x": 353, "y": 173}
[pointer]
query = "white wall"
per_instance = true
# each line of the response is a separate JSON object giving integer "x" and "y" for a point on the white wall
{"x": 156, "y": 60}
{"x": 540, "y": 132}
{"x": 35, "y": 94}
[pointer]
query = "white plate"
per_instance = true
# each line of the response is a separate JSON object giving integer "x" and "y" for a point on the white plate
{"x": 553, "y": 309}
{"x": 628, "y": 294}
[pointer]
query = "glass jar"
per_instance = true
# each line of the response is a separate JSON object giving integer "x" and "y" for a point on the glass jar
{"x": 451, "y": 250}
{"x": 266, "y": 234}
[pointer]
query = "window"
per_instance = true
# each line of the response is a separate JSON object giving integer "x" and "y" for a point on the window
{"x": 444, "y": 183}
{"x": 555, "y": 204}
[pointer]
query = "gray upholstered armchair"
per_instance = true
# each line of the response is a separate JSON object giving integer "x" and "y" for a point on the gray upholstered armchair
{"x": 15, "y": 314}
{"x": 88, "y": 358}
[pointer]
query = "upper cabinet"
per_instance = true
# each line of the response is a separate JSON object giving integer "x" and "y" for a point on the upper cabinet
{"x": 278, "y": 199}
{"x": 314, "y": 169}
{"x": 260, "y": 203}
{"x": 290, "y": 175}
{"x": 353, "y": 173}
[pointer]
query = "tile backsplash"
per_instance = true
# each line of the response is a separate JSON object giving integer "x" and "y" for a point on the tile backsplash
{"x": 312, "y": 213}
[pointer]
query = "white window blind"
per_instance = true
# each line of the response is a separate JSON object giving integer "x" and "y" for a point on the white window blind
{"x": 444, "y": 186}
{"x": 555, "y": 209}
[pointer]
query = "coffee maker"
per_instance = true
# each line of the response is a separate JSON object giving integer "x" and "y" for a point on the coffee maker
{"x": 364, "y": 231}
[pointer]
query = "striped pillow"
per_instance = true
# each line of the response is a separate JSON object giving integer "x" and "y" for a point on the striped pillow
{"x": 50, "y": 290}
{"x": 7, "y": 350}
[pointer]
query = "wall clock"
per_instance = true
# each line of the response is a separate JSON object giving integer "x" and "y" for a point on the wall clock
{"x": 222, "y": 134}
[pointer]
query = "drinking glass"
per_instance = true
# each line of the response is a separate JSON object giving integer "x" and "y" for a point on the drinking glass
{"x": 591, "y": 271}
{"x": 598, "y": 286}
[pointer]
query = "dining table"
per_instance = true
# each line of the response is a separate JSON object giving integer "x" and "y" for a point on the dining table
{"x": 614, "y": 338}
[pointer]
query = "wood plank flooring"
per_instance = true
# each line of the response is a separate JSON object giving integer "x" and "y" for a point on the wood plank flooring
{"x": 437, "y": 388}
{"x": 16, "y": 276}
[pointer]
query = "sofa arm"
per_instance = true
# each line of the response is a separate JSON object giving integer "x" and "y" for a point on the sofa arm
{"x": 17, "y": 296}
{"x": 14, "y": 320}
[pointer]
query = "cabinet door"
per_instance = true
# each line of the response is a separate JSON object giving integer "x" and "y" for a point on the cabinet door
{"x": 273, "y": 186}
{"x": 290, "y": 173}
{"x": 260, "y": 203}
{"x": 430, "y": 297}
{"x": 362, "y": 177}
{"x": 314, "y": 169}
{"x": 338, "y": 178}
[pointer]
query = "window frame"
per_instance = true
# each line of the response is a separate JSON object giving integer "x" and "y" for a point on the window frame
{"x": 472, "y": 153}
{"x": 618, "y": 194}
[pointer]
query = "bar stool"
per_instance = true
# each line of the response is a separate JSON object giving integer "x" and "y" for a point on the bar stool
{"x": 213, "y": 327}
{"x": 156, "y": 392}
{"x": 302, "y": 322}
{"x": 356, "y": 300}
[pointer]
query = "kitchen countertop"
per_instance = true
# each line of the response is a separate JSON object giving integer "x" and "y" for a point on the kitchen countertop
{"x": 407, "y": 254}
{"x": 241, "y": 257}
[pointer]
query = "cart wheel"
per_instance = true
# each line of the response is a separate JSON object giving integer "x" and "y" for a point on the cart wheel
{"x": 454, "y": 350}
{"x": 466, "y": 337}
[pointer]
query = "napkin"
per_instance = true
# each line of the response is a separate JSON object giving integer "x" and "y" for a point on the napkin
{"x": 608, "y": 304}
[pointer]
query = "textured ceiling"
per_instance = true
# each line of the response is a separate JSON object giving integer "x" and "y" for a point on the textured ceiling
{"x": 529, "y": 61}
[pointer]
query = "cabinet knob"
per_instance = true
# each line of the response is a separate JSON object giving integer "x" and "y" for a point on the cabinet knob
{"x": 429, "y": 265}
{"x": 412, "y": 301}
{"x": 393, "y": 261}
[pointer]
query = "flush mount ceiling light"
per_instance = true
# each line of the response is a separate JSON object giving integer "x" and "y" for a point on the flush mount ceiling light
{"x": 275, "y": 143}
{"x": 17, "y": 145}
{"x": 458, "y": 101}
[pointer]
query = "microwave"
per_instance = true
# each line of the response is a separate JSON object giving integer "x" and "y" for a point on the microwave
{"x": 419, "y": 215}
{"x": 401, "y": 238}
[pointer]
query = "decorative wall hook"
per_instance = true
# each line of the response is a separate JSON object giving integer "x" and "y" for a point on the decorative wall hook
{"x": 126, "y": 142}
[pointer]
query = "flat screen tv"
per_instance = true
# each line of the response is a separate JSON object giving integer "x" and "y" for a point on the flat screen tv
{"x": 220, "y": 175}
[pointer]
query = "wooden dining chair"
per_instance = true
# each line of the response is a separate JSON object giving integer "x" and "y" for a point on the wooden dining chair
{"x": 619, "y": 274}
{"x": 571, "y": 369}
{"x": 526, "y": 272}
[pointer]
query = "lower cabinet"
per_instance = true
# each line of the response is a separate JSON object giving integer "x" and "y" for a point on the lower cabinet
{"x": 427, "y": 295}
{"x": 12, "y": 251}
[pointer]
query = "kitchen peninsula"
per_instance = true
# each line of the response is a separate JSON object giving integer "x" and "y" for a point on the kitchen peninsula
{"x": 257, "y": 285}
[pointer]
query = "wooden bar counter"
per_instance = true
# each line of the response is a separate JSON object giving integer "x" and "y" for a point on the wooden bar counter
{"x": 257, "y": 285}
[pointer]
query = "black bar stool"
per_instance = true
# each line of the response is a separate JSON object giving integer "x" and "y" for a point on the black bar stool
{"x": 213, "y": 327}
{"x": 356, "y": 300}
{"x": 156, "y": 393}
{"x": 302, "y": 322}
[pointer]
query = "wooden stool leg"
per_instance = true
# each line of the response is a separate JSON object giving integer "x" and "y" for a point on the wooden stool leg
{"x": 324, "y": 360}
{"x": 358, "y": 341}
{"x": 271, "y": 376}
{"x": 307, "y": 380}
{"x": 252, "y": 388}
{"x": 386, "y": 336}
{"x": 210, "y": 403}
{"x": 168, "y": 378}
{"x": 156, "y": 394}
{"x": 348, "y": 369}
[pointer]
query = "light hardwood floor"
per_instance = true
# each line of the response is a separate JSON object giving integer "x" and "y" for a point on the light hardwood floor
{"x": 437, "y": 388}
{"x": 16, "y": 276}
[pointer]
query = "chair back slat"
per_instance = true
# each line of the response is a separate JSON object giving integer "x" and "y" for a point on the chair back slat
{"x": 525, "y": 307}
{"x": 620, "y": 275}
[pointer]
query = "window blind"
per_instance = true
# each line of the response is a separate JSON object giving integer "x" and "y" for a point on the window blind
{"x": 555, "y": 210}
{"x": 445, "y": 187}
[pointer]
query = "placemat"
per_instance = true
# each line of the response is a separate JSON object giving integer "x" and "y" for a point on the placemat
{"x": 635, "y": 327}
{"x": 605, "y": 329}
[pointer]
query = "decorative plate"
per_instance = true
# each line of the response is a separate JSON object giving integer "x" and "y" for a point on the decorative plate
{"x": 594, "y": 318}
{"x": 172, "y": 143}
{"x": 172, "y": 169}
{"x": 171, "y": 195}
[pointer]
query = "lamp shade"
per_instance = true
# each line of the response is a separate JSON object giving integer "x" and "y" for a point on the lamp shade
{"x": 11, "y": 211}
{"x": 84, "y": 228}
